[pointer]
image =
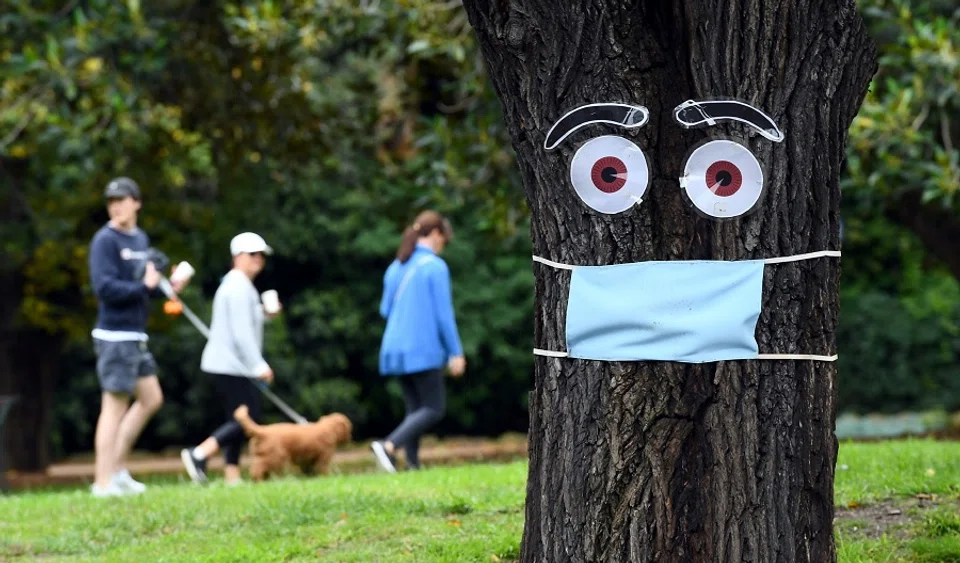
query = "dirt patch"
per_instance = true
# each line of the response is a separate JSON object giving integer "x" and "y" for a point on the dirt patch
{"x": 892, "y": 517}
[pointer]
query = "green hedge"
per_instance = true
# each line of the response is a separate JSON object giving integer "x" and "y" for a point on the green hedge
{"x": 893, "y": 358}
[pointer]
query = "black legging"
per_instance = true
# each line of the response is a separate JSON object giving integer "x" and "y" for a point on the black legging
{"x": 424, "y": 399}
{"x": 234, "y": 391}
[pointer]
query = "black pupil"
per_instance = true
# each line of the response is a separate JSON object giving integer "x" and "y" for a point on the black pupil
{"x": 724, "y": 178}
{"x": 609, "y": 174}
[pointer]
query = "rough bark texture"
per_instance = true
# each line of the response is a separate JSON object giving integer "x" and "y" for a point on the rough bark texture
{"x": 656, "y": 461}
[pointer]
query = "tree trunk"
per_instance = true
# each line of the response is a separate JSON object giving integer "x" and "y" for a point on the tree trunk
{"x": 663, "y": 461}
{"x": 29, "y": 359}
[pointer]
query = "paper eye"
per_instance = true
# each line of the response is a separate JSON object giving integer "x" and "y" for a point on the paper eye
{"x": 722, "y": 179}
{"x": 610, "y": 174}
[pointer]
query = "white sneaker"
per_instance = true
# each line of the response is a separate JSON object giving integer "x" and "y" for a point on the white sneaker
{"x": 111, "y": 490}
{"x": 126, "y": 483}
{"x": 383, "y": 458}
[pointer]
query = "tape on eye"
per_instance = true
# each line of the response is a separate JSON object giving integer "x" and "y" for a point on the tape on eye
{"x": 693, "y": 114}
{"x": 722, "y": 179}
{"x": 610, "y": 174}
{"x": 624, "y": 115}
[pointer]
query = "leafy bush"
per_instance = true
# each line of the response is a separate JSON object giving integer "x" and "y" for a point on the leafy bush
{"x": 895, "y": 357}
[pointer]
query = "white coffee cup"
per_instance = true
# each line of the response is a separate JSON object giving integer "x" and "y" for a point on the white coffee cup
{"x": 271, "y": 301}
{"x": 183, "y": 272}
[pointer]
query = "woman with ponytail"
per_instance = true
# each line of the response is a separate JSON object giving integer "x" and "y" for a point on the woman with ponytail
{"x": 421, "y": 337}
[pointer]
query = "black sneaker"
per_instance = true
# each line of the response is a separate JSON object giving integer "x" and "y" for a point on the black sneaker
{"x": 383, "y": 458}
{"x": 196, "y": 468}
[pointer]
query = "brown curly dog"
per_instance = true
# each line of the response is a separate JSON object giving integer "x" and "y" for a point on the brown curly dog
{"x": 274, "y": 447}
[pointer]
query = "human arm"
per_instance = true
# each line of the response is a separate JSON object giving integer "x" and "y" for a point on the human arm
{"x": 242, "y": 331}
{"x": 105, "y": 274}
{"x": 389, "y": 289}
{"x": 155, "y": 292}
{"x": 176, "y": 286}
{"x": 442, "y": 295}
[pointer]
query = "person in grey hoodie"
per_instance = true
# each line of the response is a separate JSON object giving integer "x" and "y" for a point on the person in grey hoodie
{"x": 233, "y": 356}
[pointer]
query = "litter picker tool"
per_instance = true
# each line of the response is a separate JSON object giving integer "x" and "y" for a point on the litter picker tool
{"x": 167, "y": 289}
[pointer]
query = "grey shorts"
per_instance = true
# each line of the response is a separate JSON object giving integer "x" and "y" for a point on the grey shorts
{"x": 120, "y": 364}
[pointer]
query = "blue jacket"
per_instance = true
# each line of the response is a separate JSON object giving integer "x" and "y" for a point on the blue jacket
{"x": 124, "y": 302}
{"x": 421, "y": 332}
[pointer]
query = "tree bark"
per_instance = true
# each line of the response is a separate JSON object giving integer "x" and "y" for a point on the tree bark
{"x": 660, "y": 461}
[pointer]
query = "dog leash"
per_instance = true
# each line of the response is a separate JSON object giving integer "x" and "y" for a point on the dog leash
{"x": 167, "y": 289}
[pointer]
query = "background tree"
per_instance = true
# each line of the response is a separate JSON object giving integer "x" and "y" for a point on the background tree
{"x": 76, "y": 111}
{"x": 726, "y": 461}
{"x": 900, "y": 296}
{"x": 904, "y": 161}
{"x": 340, "y": 118}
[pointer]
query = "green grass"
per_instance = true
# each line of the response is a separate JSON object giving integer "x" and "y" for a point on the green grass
{"x": 869, "y": 472}
{"x": 898, "y": 502}
{"x": 461, "y": 513}
{"x": 930, "y": 536}
{"x": 467, "y": 513}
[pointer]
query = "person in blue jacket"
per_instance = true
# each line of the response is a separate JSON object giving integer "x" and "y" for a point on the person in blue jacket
{"x": 421, "y": 337}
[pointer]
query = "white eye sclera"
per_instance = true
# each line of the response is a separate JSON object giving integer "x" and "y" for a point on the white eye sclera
{"x": 722, "y": 179}
{"x": 610, "y": 174}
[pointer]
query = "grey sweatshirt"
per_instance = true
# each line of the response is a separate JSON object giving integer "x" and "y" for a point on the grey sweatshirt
{"x": 235, "y": 346}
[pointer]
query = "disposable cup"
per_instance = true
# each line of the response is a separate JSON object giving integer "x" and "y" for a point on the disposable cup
{"x": 271, "y": 301}
{"x": 184, "y": 271}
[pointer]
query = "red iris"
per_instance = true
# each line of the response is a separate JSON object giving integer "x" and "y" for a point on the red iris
{"x": 724, "y": 178}
{"x": 609, "y": 174}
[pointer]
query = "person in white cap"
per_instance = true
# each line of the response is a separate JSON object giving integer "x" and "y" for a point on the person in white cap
{"x": 233, "y": 356}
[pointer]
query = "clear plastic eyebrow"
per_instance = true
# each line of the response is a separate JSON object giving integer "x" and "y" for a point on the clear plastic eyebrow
{"x": 624, "y": 115}
{"x": 694, "y": 114}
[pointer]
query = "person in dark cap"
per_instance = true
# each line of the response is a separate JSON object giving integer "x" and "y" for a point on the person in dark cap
{"x": 124, "y": 280}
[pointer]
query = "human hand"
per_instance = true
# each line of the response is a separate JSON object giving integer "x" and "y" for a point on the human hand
{"x": 457, "y": 365}
{"x": 274, "y": 314}
{"x": 177, "y": 283}
{"x": 151, "y": 277}
{"x": 266, "y": 376}
{"x": 178, "y": 286}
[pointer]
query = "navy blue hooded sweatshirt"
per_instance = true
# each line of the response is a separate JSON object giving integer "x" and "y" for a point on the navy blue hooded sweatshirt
{"x": 124, "y": 302}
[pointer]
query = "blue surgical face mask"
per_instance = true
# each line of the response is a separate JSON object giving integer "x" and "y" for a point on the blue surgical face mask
{"x": 677, "y": 311}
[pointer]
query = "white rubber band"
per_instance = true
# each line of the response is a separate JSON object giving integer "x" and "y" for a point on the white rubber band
{"x": 780, "y": 260}
{"x": 807, "y": 256}
{"x": 549, "y": 353}
{"x": 812, "y": 357}
{"x": 553, "y": 264}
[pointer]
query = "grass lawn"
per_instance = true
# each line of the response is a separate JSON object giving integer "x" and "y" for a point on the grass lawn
{"x": 897, "y": 501}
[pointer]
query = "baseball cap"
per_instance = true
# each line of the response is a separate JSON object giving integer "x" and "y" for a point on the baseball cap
{"x": 249, "y": 243}
{"x": 122, "y": 187}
